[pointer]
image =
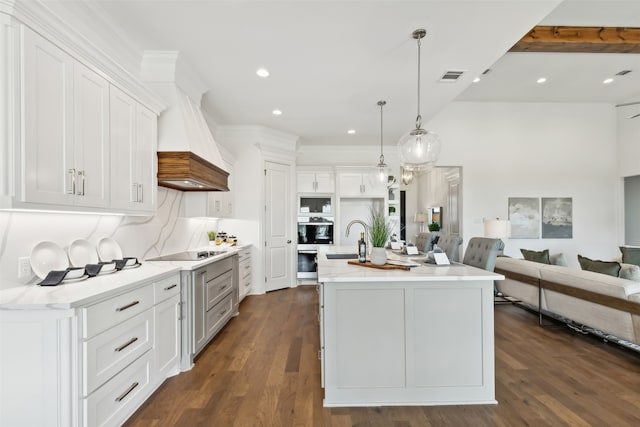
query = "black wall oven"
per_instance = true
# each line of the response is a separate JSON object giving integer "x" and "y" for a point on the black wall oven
{"x": 311, "y": 234}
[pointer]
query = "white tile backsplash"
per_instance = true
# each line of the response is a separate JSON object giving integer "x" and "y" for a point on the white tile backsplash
{"x": 142, "y": 237}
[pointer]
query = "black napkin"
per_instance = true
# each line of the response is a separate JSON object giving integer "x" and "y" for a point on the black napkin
{"x": 54, "y": 278}
{"x": 93, "y": 269}
{"x": 121, "y": 263}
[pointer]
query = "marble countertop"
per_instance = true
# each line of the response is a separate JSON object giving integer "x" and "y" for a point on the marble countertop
{"x": 94, "y": 289}
{"x": 338, "y": 270}
{"x": 85, "y": 292}
{"x": 194, "y": 265}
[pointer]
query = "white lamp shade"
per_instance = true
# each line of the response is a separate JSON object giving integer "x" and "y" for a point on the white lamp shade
{"x": 420, "y": 217}
{"x": 418, "y": 148}
{"x": 497, "y": 228}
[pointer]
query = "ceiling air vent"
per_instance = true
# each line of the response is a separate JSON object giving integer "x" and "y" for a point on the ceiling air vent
{"x": 623, "y": 72}
{"x": 451, "y": 76}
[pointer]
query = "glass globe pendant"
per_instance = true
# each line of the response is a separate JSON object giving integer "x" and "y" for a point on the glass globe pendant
{"x": 419, "y": 147}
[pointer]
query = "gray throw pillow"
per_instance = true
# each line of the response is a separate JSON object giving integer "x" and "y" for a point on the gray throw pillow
{"x": 630, "y": 255}
{"x": 630, "y": 272}
{"x": 611, "y": 268}
{"x": 536, "y": 256}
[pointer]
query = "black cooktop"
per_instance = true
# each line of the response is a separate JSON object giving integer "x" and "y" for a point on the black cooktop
{"x": 187, "y": 256}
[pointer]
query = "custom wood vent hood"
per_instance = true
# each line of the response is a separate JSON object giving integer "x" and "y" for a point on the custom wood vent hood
{"x": 186, "y": 171}
{"x": 188, "y": 157}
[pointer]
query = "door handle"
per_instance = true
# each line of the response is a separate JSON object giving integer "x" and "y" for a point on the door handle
{"x": 289, "y": 242}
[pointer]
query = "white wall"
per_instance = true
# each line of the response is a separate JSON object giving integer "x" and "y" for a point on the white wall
{"x": 537, "y": 150}
{"x": 628, "y": 140}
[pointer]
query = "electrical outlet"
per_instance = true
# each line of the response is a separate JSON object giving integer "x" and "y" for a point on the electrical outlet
{"x": 24, "y": 267}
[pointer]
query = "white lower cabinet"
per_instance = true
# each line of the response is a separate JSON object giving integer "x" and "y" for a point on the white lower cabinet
{"x": 244, "y": 272}
{"x": 93, "y": 365}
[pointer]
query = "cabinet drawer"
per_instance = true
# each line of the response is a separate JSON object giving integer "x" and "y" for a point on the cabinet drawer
{"x": 219, "y": 267}
{"x": 99, "y": 317}
{"x": 109, "y": 352}
{"x": 244, "y": 254}
{"x": 114, "y": 402}
{"x": 245, "y": 282}
{"x": 166, "y": 288}
{"x": 218, "y": 315}
{"x": 218, "y": 288}
{"x": 244, "y": 268}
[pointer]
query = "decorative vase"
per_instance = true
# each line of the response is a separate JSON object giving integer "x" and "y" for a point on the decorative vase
{"x": 378, "y": 256}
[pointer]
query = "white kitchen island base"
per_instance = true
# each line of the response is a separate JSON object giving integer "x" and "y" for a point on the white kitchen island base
{"x": 386, "y": 341}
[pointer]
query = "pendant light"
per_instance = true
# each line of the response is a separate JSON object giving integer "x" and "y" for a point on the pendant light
{"x": 381, "y": 169}
{"x": 419, "y": 147}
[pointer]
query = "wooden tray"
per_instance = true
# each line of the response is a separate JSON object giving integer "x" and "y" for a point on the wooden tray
{"x": 380, "y": 267}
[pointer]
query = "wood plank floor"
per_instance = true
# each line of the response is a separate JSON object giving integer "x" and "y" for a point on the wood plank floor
{"x": 263, "y": 370}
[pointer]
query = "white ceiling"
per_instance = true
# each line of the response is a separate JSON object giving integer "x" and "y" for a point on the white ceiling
{"x": 331, "y": 61}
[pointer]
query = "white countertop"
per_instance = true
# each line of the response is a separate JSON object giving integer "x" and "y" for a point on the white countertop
{"x": 194, "y": 265}
{"x": 338, "y": 270}
{"x": 94, "y": 289}
{"x": 85, "y": 292}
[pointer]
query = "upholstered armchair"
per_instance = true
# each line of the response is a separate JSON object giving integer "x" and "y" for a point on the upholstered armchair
{"x": 450, "y": 244}
{"x": 482, "y": 252}
{"x": 424, "y": 241}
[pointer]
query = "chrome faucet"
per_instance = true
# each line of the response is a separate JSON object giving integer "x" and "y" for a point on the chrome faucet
{"x": 366, "y": 229}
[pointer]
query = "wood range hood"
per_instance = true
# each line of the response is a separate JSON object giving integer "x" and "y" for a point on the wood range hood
{"x": 186, "y": 171}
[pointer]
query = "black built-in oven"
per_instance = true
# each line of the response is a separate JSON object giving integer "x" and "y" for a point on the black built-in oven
{"x": 311, "y": 234}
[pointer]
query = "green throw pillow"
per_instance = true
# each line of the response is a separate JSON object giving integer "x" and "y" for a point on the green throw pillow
{"x": 536, "y": 256}
{"x": 611, "y": 268}
{"x": 630, "y": 255}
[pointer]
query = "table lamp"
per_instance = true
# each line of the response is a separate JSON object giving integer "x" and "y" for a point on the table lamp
{"x": 421, "y": 217}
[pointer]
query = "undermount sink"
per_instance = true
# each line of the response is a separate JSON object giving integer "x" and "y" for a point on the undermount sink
{"x": 342, "y": 256}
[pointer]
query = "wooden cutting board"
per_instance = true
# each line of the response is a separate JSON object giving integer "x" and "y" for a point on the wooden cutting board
{"x": 380, "y": 267}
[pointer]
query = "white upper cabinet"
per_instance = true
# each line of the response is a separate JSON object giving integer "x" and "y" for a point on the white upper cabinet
{"x": 133, "y": 148}
{"x": 358, "y": 184}
{"x": 315, "y": 182}
{"x": 56, "y": 122}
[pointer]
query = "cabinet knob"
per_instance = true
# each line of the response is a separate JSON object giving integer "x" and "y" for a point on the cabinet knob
{"x": 288, "y": 241}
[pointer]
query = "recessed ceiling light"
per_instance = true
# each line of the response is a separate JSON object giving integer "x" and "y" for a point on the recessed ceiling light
{"x": 277, "y": 112}
{"x": 476, "y": 80}
{"x": 541, "y": 80}
{"x": 262, "y": 72}
{"x": 351, "y": 131}
{"x": 607, "y": 81}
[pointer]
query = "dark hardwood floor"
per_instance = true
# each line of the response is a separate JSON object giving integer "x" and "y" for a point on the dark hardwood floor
{"x": 263, "y": 370}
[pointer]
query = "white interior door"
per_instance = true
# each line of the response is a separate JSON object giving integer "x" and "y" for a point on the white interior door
{"x": 278, "y": 217}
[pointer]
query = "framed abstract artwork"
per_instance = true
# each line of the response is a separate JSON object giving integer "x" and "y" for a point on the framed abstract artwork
{"x": 524, "y": 215}
{"x": 557, "y": 218}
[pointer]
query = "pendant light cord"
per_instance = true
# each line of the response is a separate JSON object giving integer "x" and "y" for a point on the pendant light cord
{"x": 381, "y": 104}
{"x": 419, "y": 117}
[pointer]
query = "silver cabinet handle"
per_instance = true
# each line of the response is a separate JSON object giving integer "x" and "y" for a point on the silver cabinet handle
{"x": 140, "y": 193}
{"x": 81, "y": 186}
{"x": 223, "y": 313}
{"x": 123, "y": 308}
{"x": 127, "y": 391}
{"x": 168, "y": 288}
{"x": 71, "y": 188}
{"x": 127, "y": 344}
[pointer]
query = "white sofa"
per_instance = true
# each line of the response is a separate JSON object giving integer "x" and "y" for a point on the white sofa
{"x": 605, "y": 305}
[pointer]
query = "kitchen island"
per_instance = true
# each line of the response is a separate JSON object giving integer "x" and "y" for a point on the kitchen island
{"x": 396, "y": 337}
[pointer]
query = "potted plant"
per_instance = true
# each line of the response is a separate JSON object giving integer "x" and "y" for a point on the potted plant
{"x": 434, "y": 226}
{"x": 212, "y": 237}
{"x": 379, "y": 232}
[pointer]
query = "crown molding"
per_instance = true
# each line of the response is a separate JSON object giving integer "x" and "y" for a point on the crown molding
{"x": 81, "y": 29}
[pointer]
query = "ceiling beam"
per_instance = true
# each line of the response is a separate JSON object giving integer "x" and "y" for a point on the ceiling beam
{"x": 580, "y": 40}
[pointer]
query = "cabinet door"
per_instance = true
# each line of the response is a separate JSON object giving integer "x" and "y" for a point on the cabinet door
{"x": 325, "y": 182}
{"x": 199, "y": 319}
{"x": 123, "y": 134}
{"x": 374, "y": 187}
{"x": 306, "y": 182}
{"x": 351, "y": 184}
{"x": 144, "y": 159}
{"x": 91, "y": 123}
{"x": 167, "y": 337}
{"x": 47, "y": 123}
